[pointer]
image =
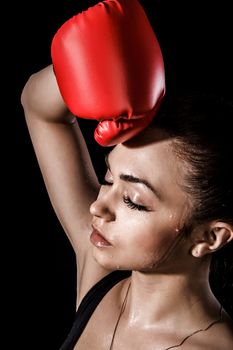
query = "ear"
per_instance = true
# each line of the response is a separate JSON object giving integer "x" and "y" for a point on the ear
{"x": 210, "y": 238}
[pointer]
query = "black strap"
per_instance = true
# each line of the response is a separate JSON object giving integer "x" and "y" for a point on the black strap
{"x": 89, "y": 304}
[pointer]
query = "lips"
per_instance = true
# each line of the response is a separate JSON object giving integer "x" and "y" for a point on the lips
{"x": 98, "y": 240}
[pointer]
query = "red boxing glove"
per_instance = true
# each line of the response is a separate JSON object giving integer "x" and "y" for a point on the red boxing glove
{"x": 109, "y": 67}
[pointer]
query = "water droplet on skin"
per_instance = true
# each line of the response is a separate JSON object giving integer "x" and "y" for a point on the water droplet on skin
{"x": 170, "y": 216}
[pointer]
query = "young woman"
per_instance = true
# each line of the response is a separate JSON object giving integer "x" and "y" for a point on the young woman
{"x": 144, "y": 239}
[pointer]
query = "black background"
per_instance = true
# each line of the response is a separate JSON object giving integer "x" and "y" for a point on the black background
{"x": 196, "y": 40}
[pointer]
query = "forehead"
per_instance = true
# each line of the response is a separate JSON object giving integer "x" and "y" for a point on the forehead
{"x": 146, "y": 148}
{"x": 149, "y": 155}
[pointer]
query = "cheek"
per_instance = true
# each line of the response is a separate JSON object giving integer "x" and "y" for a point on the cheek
{"x": 148, "y": 238}
{"x": 136, "y": 233}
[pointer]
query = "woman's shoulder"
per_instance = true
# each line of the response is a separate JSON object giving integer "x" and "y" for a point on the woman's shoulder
{"x": 223, "y": 333}
{"x": 219, "y": 336}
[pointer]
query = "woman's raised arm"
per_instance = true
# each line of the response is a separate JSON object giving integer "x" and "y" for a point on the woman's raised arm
{"x": 62, "y": 155}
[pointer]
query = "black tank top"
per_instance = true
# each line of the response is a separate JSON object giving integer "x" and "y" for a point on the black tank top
{"x": 88, "y": 305}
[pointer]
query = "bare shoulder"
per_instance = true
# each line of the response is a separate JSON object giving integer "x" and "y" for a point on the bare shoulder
{"x": 220, "y": 335}
{"x": 224, "y": 332}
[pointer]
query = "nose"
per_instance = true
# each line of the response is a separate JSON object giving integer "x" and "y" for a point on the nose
{"x": 103, "y": 208}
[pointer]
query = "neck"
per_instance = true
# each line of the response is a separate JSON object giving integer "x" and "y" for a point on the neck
{"x": 168, "y": 299}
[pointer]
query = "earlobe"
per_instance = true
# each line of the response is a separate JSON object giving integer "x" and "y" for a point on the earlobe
{"x": 217, "y": 235}
{"x": 199, "y": 250}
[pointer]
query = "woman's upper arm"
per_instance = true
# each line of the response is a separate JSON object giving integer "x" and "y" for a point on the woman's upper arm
{"x": 62, "y": 155}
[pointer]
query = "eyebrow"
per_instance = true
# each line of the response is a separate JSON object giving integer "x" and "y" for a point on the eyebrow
{"x": 134, "y": 179}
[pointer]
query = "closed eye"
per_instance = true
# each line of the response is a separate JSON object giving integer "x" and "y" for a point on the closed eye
{"x": 133, "y": 205}
{"x": 126, "y": 199}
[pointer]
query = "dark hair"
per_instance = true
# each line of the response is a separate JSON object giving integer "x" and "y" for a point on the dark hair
{"x": 200, "y": 125}
{"x": 203, "y": 137}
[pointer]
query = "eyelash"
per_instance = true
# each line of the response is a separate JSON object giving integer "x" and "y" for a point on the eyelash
{"x": 133, "y": 205}
{"x": 127, "y": 200}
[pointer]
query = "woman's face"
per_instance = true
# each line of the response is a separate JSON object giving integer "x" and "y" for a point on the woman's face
{"x": 141, "y": 209}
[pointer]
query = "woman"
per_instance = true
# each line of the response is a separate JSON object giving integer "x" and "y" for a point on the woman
{"x": 165, "y": 207}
